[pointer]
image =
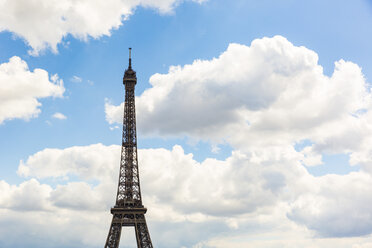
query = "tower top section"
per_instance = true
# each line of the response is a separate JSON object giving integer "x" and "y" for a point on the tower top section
{"x": 130, "y": 74}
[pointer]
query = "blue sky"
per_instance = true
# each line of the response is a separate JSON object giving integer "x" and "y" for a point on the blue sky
{"x": 280, "y": 130}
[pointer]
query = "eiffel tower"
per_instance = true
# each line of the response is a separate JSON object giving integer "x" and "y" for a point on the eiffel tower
{"x": 128, "y": 210}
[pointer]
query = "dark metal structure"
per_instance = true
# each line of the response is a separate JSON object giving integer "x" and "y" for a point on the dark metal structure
{"x": 128, "y": 210}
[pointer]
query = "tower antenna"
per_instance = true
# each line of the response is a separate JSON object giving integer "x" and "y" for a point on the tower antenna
{"x": 130, "y": 57}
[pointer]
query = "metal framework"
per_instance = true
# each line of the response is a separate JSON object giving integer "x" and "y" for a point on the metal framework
{"x": 128, "y": 210}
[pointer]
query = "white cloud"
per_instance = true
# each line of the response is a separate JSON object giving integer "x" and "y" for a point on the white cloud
{"x": 174, "y": 187}
{"x": 114, "y": 114}
{"x": 21, "y": 88}
{"x": 44, "y": 23}
{"x": 178, "y": 170}
{"x": 311, "y": 158}
{"x": 270, "y": 94}
{"x": 76, "y": 79}
{"x": 114, "y": 127}
{"x": 28, "y": 196}
{"x": 235, "y": 195}
{"x": 336, "y": 206}
{"x": 59, "y": 116}
{"x": 77, "y": 227}
{"x": 87, "y": 162}
{"x": 79, "y": 196}
{"x": 287, "y": 239}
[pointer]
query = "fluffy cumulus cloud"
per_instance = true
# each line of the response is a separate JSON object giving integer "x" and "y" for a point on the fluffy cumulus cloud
{"x": 62, "y": 163}
{"x": 44, "y": 23}
{"x": 243, "y": 196}
{"x": 273, "y": 92}
{"x": 59, "y": 116}
{"x": 176, "y": 169}
{"x": 21, "y": 88}
{"x": 28, "y": 196}
{"x": 336, "y": 206}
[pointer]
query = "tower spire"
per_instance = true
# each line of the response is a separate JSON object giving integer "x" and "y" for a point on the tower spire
{"x": 129, "y": 74}
{"x": 130, "y": 58}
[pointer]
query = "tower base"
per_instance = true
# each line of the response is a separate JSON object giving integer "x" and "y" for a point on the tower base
{"x": 128, "y": 217}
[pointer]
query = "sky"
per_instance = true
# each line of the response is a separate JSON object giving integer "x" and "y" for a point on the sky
{"x": 253, "y": 121}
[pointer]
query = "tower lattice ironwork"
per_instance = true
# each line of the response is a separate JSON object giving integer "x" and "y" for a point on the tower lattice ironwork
{"x": 128, "y": 210}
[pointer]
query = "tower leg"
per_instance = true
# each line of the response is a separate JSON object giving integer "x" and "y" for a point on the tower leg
{"x": 113, "y": 238}
{"x": 142, "y": 233}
